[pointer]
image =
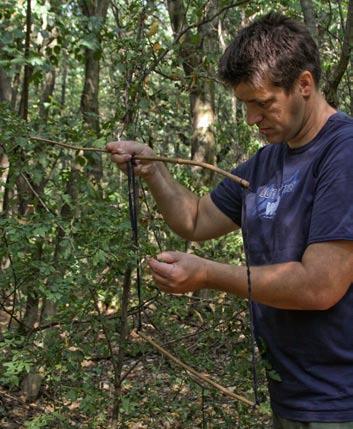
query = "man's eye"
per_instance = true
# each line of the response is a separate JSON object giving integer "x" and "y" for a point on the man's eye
{"x": 263, "y": 103}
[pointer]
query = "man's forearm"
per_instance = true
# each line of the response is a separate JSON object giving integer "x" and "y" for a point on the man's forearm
{"x": 287, "y": 285}
{"x": 275, "y": 285}
{"x": 177, "y": 204}
{"x": 311, "y": 284}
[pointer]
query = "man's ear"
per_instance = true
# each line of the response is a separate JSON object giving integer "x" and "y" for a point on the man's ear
{"x": 306, "y": 83}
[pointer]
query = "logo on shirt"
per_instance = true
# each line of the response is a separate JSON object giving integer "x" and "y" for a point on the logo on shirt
{"x": 269, "y": 196}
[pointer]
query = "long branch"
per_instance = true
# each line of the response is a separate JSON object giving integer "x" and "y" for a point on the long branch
{"x": 242, "y": 182}
{"x": 199, "y": 376}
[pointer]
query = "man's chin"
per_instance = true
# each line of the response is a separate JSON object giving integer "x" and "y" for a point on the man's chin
{"x": 275, "y": 138}
{"x": 271, "y": 139}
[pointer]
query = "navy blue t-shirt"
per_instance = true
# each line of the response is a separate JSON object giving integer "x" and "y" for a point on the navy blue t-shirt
{"x": 298, "y": 197}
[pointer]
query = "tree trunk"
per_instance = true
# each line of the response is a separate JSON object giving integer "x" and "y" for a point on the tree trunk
{"x": 49, "y": 308}
{"x": 14, "y": 91}
{"x": 309, "y": 17}
{"x": 5, "y": 87}
{"x": 203, "y": 118}
{"x": 47, "y": 92}
{"x": 30, "y": 316}
{"x": 201, "y": 88}
{"x": 64, "y": 81}
{"x": 66, "y": 212}
{"x": 5, "y": 96}
{"x": 338, "y": 71}
{"x": 23, "y": 110}
{"x": 203, "y": 108}
{"x": 4, "y": 171}
{"x": 89, "y": 97}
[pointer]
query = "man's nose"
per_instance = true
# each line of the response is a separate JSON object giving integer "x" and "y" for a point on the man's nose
{"x": 253, "y": 117}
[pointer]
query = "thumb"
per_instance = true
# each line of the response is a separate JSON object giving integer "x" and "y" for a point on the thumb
{"x": 167, "y": 257}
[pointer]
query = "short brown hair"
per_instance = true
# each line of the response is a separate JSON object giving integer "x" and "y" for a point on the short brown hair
{"x": 273, "y": 46}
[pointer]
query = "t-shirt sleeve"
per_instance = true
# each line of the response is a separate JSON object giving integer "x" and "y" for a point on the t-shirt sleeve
{"x": 332, "y": 213}
{"x": 227, "y": 196}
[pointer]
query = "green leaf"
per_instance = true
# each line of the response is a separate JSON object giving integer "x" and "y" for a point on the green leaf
{"x": 274, "y": 375}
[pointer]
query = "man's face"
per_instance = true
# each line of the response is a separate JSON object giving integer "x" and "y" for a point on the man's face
{"x": 279, "y": 116}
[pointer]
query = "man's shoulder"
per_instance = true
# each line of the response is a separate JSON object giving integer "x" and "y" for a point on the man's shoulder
{"x": 343, "y": 117}
{"x": 342, "y": 124}
{"x": 335, "y": 138}
{"x": 341, "y": 134}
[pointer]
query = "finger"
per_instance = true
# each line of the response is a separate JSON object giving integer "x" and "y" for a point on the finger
{"x": 117, "y": 147}
{"x": 111, "y": 146}
{"x": 139, "y": 167}
{"x": 167, "y": 257}
{"x": 122, "y": 146}
{"x": 161, "y": 282}
{"x": 121, "y": 159}
{"x": 165, "y": 289}
{"x": 163, "y": 269}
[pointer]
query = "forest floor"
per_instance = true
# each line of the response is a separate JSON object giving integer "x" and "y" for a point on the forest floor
{"x": 156, "y": 393}
{"x": 166, "y": 402}
{"x": 14, "y": 411}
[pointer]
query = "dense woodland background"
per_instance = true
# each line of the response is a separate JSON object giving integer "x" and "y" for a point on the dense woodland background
{"x": 83, "y": 73}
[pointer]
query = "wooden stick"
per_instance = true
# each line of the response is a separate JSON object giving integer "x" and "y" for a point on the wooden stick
{"x": 242, "y": 182}
{"x": 195, "y": 373}
{"x": 199, "y": 377}
{"x": 68, "y": 146}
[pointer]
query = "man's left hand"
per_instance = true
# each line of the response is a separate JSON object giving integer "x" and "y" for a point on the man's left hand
{"x": 177, "y": 272}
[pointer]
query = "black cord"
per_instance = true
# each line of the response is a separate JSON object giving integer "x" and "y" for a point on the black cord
{"x": 155, "y": 232}
{"x": 133, "y": 200}
{"x": 250, "y": 306}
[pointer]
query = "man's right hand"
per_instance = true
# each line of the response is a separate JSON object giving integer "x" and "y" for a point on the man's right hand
{"x": 122, "y": 151}
{"x": 191, "y": 217}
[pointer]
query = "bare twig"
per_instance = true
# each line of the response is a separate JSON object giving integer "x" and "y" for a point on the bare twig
{"x": 242, "y": 182}
{"x": 200, "y": 377}
{"x": 11, "y": 314}
{"x": 35, "y": 193}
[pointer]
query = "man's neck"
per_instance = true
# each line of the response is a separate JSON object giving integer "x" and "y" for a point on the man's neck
{"x": 317, "y": 113}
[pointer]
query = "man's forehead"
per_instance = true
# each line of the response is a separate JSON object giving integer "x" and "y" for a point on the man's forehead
{"x": 247, "y": 91}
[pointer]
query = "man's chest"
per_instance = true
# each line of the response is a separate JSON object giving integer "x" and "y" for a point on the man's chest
{"x": 277, "y": 215}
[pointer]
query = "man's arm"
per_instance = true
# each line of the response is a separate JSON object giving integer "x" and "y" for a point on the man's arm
{"x": 318, "y": 282}
{"x": 191, "y": 217}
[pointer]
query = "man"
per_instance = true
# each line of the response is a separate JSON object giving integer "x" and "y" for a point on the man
{"x": 298, "y": 223}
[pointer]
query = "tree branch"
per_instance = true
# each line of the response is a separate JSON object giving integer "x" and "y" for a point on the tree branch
{"x": 199, "y": 377}
{"x": 242, "y": 182}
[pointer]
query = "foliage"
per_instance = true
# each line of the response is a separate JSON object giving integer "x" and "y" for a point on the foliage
{"x": 65, "y": 237}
